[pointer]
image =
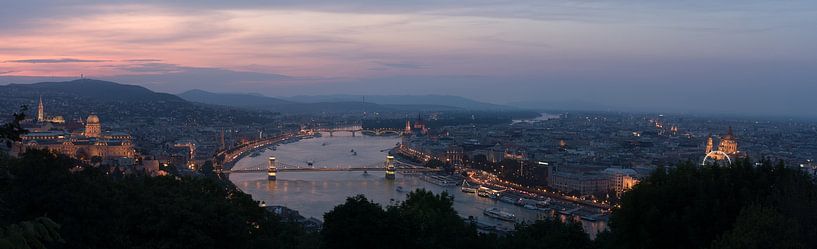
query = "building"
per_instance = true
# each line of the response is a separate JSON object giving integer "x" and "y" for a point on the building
{"x": 622, "y": 179}
{"x": 579, "y": 182}
{"x": 582, "y": 183}
{"x": 616, "y": 179}
{"x": 419, "y": 127}
{"x": 43, "y": 119}
{"x": 727, "y": 147}
{"x": 88, "y": 144}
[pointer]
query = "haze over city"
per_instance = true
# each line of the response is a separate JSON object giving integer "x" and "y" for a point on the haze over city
{"x": 369, "y": 124}
{"x": 746, "y": 58}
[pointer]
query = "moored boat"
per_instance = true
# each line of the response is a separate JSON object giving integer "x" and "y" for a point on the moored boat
{"x": 499, "y": 214}
{"x": 467, "y": 188}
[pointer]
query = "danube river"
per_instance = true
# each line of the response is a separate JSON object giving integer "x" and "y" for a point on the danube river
{"x": 315, "y": 193}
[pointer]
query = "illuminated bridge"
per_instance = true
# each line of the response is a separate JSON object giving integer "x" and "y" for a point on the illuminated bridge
{"x": 273, "y": 168}
{"x": 357, "y": 128}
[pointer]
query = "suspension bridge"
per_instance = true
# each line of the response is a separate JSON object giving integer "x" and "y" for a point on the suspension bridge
{"x": 272, "y": 168}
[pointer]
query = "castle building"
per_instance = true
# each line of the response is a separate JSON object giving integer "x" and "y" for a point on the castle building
{"x": 92, "y": 127}
{"x": 87, "y": 144}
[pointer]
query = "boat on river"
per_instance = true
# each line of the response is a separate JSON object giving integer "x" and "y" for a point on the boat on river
{"x": 467, "y": 188}
{"x": 499, "y": 214}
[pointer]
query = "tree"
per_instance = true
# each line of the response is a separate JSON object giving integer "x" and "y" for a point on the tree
{"x": 96, "y": 210}
{"x": 550, "y": 234}
{"x": 30, "y": 234}
{"x": 759, "y": 227}
{"x": 423, "y": 220}
{"x": 358, "y": 223}
{"x": 12, "y": 131}
{"x": 430, "y": 221}
{"x": 690, "y": 206}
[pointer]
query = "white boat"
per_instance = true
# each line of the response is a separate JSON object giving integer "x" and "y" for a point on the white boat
{"x": 499, "y": 214}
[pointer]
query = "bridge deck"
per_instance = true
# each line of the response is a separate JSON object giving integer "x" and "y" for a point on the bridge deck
{"x": 326, "y": 170}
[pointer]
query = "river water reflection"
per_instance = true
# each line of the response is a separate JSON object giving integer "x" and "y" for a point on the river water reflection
{"x": 315, "y": 193}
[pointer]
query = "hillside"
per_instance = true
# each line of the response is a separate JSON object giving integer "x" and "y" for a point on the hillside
{"x": 98, "y": 90}
{"x": 231, "y": 99}
{"x": 310, "y": 105}
{"x": 405, "y": 100}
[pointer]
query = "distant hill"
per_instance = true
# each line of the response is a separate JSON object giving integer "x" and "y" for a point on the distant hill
{"x": 114, "y": 102}
{"x": 98, "y": 90}
{"x": 231, "y": 99}
{"x": 314, "y": 105}
{"x": 405, "y": 100}
{"x": 574, "y": 105}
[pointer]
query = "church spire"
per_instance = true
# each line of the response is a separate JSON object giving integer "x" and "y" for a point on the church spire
{"x": 40, "y": 111}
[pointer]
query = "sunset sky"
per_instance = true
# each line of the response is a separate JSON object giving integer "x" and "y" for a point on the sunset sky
{"x": 744, "y": 57}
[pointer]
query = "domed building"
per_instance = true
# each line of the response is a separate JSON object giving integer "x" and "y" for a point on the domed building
{"x": 92, "y": 126}
{"x": 87, "y": 144}
{"x": 727, "y": 147}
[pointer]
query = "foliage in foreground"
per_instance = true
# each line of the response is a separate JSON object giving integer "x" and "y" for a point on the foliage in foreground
{"x": 97, "y": 210}
{"x": 742, "y": 206}
{"x": 427, "y": 220}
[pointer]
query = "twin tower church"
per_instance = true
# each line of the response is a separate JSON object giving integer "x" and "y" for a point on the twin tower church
{"x": 727, "y": 147}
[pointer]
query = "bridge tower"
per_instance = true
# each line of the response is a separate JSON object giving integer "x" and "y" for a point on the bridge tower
{"x": 390, "y": 169}
{"x": 272, "y": 170}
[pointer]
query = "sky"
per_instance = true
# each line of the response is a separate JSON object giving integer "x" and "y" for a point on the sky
{"x": 716, "y": 56}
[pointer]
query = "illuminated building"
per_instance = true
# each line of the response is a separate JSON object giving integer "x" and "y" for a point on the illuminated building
{"x": 40, "y": 110}
{"x": 90, "y": 143}
{"x": 727, "y": 147}
{"x": 419, "y": 127}
{"x": 43, "y": 119}
{"x": 407, "y": 130}
{"x": 622, "y": 179}
{"x": 92, "y": 127}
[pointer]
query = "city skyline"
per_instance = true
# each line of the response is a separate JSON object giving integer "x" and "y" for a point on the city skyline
{"x": 756, "y": 58}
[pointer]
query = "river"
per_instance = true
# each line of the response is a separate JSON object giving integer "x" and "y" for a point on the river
{"x": 315, "y": 193}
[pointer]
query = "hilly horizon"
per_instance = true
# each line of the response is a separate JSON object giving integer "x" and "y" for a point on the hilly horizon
{"x": 335, "y": 103}
{"x": 109, "y": 91}
{"x": 99, "y": 90}
{"x": 425, "y": 99}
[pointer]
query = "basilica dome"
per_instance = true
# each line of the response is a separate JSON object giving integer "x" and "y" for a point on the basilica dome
{"x": 93, "y": 119}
